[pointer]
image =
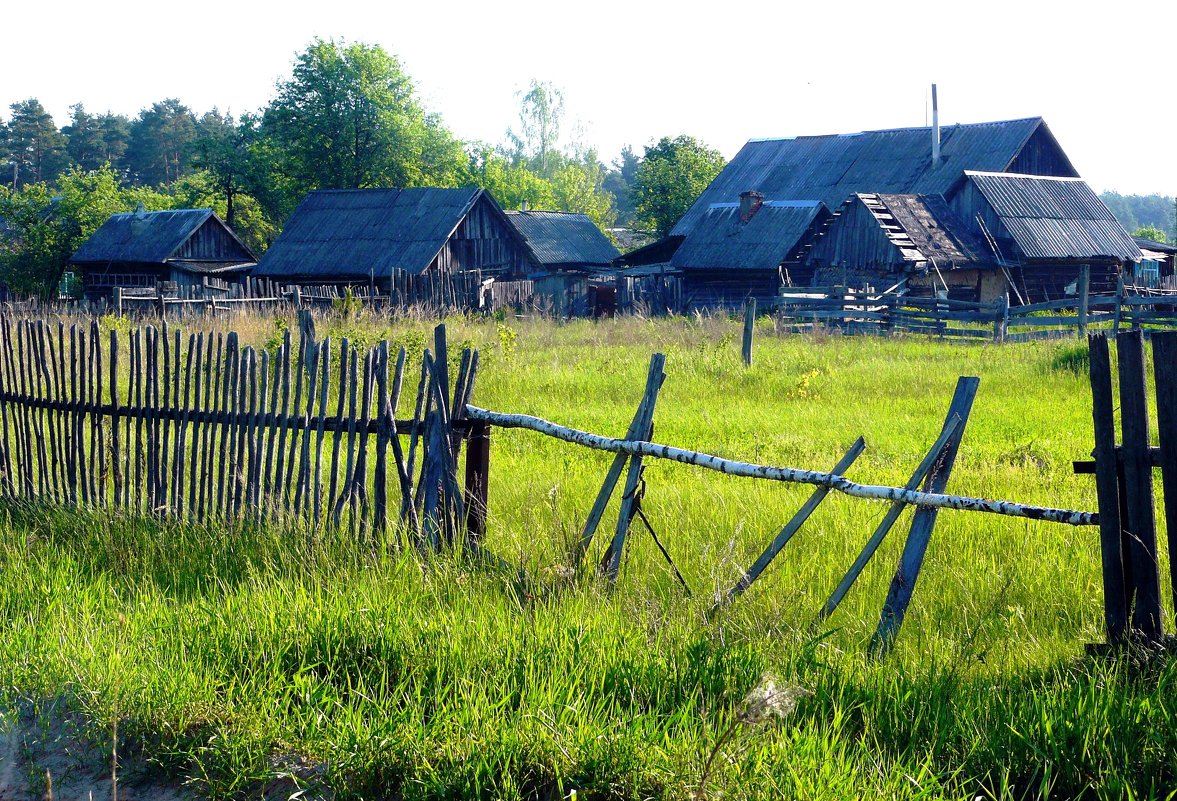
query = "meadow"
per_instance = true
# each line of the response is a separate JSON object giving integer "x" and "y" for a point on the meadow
{"x": 240, "y": 661}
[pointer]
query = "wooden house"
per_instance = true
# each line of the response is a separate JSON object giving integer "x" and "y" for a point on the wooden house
{"x": 829, "y": 169}
{"x": 913, "y": 242}
{"x": 744, "y": 250}
{"x": 424, "y": 244}
{"x": 572, "y": 261}
{"x": 1042, "y": 230}
{"x": 175, "y": 249}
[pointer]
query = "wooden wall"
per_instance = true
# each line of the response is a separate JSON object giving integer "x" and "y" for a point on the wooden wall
{"x": 1042, "y": 156}
{"x": 483, "y": 241}
{"x": 211, "y": 242}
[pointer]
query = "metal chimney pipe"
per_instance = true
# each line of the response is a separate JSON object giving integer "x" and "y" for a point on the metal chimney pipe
{"x": 935, "y": 129}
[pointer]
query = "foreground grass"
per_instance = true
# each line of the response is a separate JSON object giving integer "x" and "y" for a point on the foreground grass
{"x": 228, "y": 655}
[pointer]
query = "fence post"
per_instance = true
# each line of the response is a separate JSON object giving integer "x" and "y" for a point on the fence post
{"x": 1165, "y": 370}
{"x": 118, "y": 301}
{"x": 749, "y": 329}
{"x": 477, "y": 479}
{"x": 1001, "y": 319}
{"x": 297, "y": 296}
{"x": 1084, "y": 297}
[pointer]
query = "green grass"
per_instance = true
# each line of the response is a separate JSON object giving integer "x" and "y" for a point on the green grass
{"x": 228, "y": 654}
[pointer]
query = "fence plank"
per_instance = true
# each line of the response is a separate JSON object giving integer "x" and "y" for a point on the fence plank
{"x": 793, "y": 526}
{"x": 951, "y": 425}
{"x": 903, "y": 584}
{"x": 1142, "y": 537}
{"x": 1165, "y": 370}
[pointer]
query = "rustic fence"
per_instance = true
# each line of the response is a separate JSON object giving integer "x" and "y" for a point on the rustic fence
{"x": 865, "y": 312}
{"x": 204, "y": 429}
{"x": 1133, "y": 601}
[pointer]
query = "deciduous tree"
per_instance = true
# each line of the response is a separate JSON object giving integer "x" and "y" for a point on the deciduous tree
{"x": 672, "y": 174}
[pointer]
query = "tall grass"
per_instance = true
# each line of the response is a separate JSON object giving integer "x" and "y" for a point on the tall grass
{"x": 233, "y": 655}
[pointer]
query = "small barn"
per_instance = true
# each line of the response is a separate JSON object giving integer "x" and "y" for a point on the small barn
{"x": 1042, "y": 230}
{"x": 913, "y": 242}
{"x": 421, "y": 245}
{"x": 573, "y": 259}
{"x": 1157, "y": 263}
{"x": 179, "y": 249}
{"x": 746, "y": 250}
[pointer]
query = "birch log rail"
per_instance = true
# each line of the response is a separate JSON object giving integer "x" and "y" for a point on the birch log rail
{"x": 784, "y": 474}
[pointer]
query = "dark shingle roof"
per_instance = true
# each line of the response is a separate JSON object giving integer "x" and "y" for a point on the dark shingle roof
{"x": 721, "y": 241}
{"x": 1054, "y": 218}
{"x": 561, "y": 239}
{"x": 830, "y": 168}
{"x": 143, "y": 238}
{"x": 349, "y": 232}
{"x": 932, "y": 231}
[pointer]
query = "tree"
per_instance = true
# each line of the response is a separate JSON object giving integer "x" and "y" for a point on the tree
{"x": 34, "y": 146}
{"x": 536, "y": 143}
{"x": 578, "y": 186}
{"x": 222, "y": 151}
{"x": 161, "y": 143}
{"x": 672, "y": 175}
{"x": 348, "y": 118}
{"x": 96, "y": 140}
{"x": 1151, "y": 233}
{"x": 45, "y": 226}
{"x": 619, "y": 181}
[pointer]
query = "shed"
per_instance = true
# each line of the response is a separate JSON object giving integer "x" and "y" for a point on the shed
{"x": 425, "y": 244}
{"x": 746, "y": 249}
{"x": 141, "y": 249}
{"x": 1156, "y": 268}
{"x": 573, "y": 258}
{"x": 917, "y": 241}
{"x": 1044, "y": 229}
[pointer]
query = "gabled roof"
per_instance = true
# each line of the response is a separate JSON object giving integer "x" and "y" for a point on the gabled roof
{"x": 721, "y": 240}
{"x": 562, "y": 239}
{"x": 1054, "y": 218}
{"x": 360, "y": 232}
{"x": 928, "y": 230}
{"x": 832, "y": 167}
{"x": 145, "y": 237}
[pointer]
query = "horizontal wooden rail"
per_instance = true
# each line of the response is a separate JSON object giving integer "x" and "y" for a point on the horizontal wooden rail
{"x": 786, "y": 474}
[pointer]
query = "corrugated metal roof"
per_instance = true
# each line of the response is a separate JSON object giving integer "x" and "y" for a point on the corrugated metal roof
{"x": 831, "y": 168}
{"x": 562, "y": 239}
{"x": 721, "y": 241}
{"x": 355, "y": 233}
{"x": 1054, "y": 218}
{"x": 934, "y": 231}
{"x": 143, "y": 237}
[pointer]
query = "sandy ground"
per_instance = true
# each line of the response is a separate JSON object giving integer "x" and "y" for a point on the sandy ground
{"x": 42, "y": 757}
{"x": 42, "y": 752}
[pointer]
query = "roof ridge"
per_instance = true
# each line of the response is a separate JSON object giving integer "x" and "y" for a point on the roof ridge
{"x": 894, "y": 130}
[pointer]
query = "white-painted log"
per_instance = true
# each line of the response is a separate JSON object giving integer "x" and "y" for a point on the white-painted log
{"x": 785, "y": 474}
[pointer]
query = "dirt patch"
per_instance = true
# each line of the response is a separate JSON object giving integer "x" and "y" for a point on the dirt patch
{"x": 43, "y": 755}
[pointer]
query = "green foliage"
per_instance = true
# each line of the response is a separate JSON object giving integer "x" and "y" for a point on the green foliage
{"x": 162, "y": 143}
{"x": 32, "y": 144}
{"x": 672, "y": 174}
{"x": 537, "y": 142}
{"x": 348, "y": 307}
{"x": 508, "y": 340}
{"x": 45, "y": 227}
{"x": 1136, "y": 211}
{"x": 1151, "y": 233}
{"x": 348, "y": 117}
{"x": 1075, "y": 358}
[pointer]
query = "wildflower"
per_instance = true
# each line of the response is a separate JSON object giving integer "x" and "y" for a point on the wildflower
{"x": 767, "y": 700}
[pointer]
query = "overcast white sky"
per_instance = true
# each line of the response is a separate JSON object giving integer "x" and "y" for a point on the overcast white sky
{"x": 632, "y": 72}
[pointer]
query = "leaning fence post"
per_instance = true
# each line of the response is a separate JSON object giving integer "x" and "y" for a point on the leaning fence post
{"x": 903, "y": 583}
{"x": 1142, "y": 538}
{"x": 749, "y": 329}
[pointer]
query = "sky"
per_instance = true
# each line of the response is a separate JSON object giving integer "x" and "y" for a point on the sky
{"x": 633, "y": 72}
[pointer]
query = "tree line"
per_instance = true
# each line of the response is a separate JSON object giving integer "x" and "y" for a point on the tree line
{"x": 347, "y": 117}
